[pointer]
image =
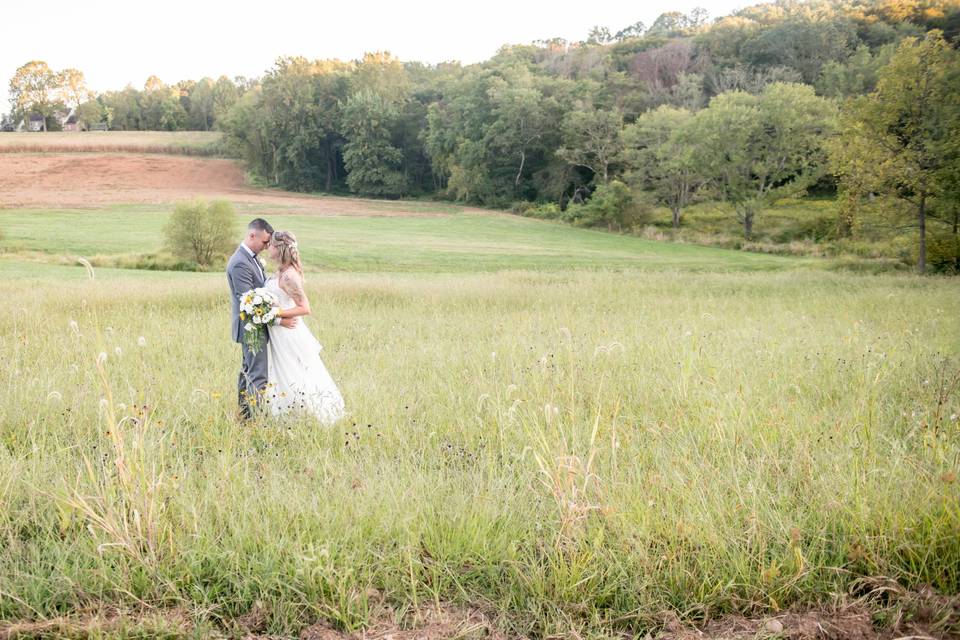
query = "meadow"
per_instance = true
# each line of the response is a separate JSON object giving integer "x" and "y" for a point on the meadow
{"x": 536, "y": 448}
{"x": 553, "y": 432}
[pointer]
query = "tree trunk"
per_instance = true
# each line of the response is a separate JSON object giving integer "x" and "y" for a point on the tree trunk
{"x": 676, "y": 217}
{"x": 329, "y": 172}
{"x": 523, "y": 159}
{"x": 276, "y": 174}
{"x": 748, "y": 223}
{"x": 922, "y": 215}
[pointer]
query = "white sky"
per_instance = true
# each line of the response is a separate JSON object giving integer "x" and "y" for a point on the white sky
{"x": 116, "y": 42}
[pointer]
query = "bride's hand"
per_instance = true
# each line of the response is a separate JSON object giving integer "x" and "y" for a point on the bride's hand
{"x": 289, "y": 323}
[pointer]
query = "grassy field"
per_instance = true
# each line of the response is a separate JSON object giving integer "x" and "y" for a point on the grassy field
{"x": 189, "y": 142}
{"x": 436, "y": 242}
{"x": 577, "y": 433}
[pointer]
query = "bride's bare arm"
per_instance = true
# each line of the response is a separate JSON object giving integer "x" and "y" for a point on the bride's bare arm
{"x": 292, "y": 284}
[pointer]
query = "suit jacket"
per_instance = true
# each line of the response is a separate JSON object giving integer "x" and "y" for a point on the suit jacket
{"x": 243, "y": 274}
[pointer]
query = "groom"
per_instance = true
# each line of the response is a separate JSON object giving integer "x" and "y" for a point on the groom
{"x": 245, "y": 272}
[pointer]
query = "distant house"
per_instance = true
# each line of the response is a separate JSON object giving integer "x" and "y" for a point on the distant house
{"x": 71, "y": 123}
{"x": 35, "y": 122}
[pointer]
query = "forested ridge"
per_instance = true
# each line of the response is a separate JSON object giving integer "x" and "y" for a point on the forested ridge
{"x": 744, "y": 110}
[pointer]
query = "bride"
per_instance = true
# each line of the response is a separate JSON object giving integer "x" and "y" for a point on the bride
{"x": 297, "y": 379}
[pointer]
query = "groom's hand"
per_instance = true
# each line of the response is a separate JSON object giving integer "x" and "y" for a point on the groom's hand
{"x": 289, "y": 323}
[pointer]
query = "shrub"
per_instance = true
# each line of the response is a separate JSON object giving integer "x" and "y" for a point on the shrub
{"x": 610, "y": 205}
{"x": 943, "y": 252}
{"x": 200, "y": 231}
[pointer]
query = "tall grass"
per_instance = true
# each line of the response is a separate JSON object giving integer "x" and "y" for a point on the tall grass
{"x": 201, "y": 143}
{"x": 575, "y": 453}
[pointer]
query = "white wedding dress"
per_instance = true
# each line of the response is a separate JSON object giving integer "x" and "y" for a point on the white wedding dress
{"x": 297, "y": 380}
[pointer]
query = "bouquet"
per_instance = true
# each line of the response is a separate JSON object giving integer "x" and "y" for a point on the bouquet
{"x": 258, "y": 308}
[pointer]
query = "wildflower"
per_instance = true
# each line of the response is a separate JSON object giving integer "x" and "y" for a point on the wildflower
{"x": 118, "y": 351}
{"x": 102, "y": 358}
{"x": 75, "y": 326}
{"x": 141, "y": 341}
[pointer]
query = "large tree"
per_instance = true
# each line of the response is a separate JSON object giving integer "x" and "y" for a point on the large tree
{"x": 661, "y": 158}
{"x": 757, "y": 149}
{"x": 903, "y": 139}
{"x": 372, "y": 161}
{"x": 73, "y": 88}
{"x": 34, "y": 88}
{"x": 591, "y": 139}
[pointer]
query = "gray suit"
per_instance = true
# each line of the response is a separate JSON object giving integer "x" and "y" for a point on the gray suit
{"x": 244, "y": 273}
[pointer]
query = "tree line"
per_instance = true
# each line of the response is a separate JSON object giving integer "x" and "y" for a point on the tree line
{"x": 188, "y": 105}
{"x": 764, "y": 103}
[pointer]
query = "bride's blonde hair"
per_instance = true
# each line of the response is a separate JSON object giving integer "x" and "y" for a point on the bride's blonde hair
{"x": 289, "y": 253}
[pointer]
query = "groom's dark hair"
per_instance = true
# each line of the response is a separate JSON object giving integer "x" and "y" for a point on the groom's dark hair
{"x": 260, "y": 225}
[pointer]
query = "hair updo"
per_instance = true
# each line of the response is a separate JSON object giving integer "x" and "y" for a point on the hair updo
{"x": 288, "y": 252}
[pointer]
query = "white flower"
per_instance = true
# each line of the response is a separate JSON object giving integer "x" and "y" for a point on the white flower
{"x": 141, "y": 341}
{"x": 248, "y": 327}
{"x": 75, "y": 326}
{"x": 102, "y": 357}
{"x": 118, "y": 351}
{"x": 953, "y": 417}
{"x": 257, "y": 299}
{"x": 256, "y": 319}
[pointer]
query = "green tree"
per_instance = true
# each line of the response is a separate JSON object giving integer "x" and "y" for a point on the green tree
{"x": 200, "y": 113}
{"x": 372, "y": 162}
{"x": 90, "y": 113}
{"x": 854, "y": 76}
{"x": 122, "y": 109}
{"x": 225, "y": 95}
{"x": 34, "y": 88}
{"x": 902, "y": 141}
{"x": 73, "y": 88}
{"x": 661, "y": 158}
{"x": 591, "y": 139}
{"x": 201, "y": 231}
{"x": 521, "y": 118}
{"x": 160, "y": 107}
{"x": 758, "y": 149}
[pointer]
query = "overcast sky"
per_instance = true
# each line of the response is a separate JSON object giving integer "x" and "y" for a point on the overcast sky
{"x": 116, "y": 43}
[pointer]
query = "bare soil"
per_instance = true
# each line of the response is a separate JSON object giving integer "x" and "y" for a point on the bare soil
{"x": 854, "y": 621}
{"x": 91, "y": 180}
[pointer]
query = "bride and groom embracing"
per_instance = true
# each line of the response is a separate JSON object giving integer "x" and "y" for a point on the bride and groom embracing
{"x": 287, "y": 375}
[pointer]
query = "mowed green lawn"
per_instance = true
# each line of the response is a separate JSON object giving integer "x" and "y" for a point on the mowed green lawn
{"x": 458, "y": 242}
